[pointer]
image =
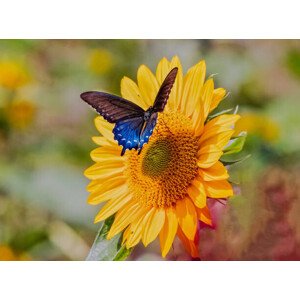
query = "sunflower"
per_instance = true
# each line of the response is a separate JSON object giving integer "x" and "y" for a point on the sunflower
{"x": 100, "y": 61}
{"x": 13, "y": 74}
{"x": 21, "y": 113}
{"x": 163, "y": 191}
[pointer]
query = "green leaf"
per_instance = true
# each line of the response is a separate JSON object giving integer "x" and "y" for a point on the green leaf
{"x": 104, "y": 249}
{"x": 236, "y": 144}
{"x": 231, "y": 162}
{"x": 293, "y": 61}
{"x": 123, "y": 253}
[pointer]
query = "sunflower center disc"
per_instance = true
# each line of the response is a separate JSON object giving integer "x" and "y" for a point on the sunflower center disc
{"x": 157, "y": 158}
{"x": 165, "y": 168}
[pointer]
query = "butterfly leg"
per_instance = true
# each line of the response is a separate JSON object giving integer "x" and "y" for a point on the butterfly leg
{"x": 123, "y": 151}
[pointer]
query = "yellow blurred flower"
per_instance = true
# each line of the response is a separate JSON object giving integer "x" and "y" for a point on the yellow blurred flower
{"x": 100, "y": 61}
{"x": 163, "y": 191}
{"x": 12, "y": 74}
{"x": 258, "y": 124}
{"x": 7, "y": 254}
{"x": 21, "y": 113}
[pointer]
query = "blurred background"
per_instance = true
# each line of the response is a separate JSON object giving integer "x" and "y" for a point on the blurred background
{"x": 46, "y": 130}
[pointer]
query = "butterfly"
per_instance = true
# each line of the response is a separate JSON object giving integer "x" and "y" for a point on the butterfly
{"x": 133, "y": 125}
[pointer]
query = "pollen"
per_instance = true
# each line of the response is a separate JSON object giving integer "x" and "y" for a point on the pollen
{"x": 161, "y": 174}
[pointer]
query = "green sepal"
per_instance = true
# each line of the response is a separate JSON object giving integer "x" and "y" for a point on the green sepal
{"x": 235, "y": 161}
{"x": 236, "y": 144}
{"x": 210, "y": 117}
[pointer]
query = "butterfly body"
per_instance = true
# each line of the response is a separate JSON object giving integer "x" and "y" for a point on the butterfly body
{"x": 133, "y": 125}
{"x": 148, "y": 113}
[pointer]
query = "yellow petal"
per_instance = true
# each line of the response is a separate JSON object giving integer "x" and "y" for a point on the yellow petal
{"x": 105, "y": 185}
{"x": 197, "y": 193}
{"x": 198, "y": 120}
{"x": 133, "y": 233}
{"x": 176, "y": 92}
{"x": 107, "y": 149}
{"x": 162, "y": 70}
{"x": 207, "y": 94}
{"x": 102, "y": 141}
{"x": 218, "y": 189}
{"x": 112, "y": 206}
{"x": 208, "y": 155}
{"x": 104, "y": 154}
{"x": 153, "y": 226}
{"x": 218, "y": 96}
{"x": 168, "y": 231}
{"x": 107, "y": 164}
{"x": 187, "y": 217}
{"x": 104, "y": 128}
{"x": 226, "y": 120}
{"x": 190, "y": 246}
{"x": 148, "y": 85}
{"x": 220, "y": 140}
{"x": 124, "y": 217}
{"x": 104, "y": 174}
{"x": 126, "y": 235}
{"x": 109, "y": 191}
{"x": 104, "y": 171}
{"x": 193, "y": 82}
{"x": 215, "y": 172}
{"x": 136, "y": 229}
{"x": 130, "y": 91}
{"x": 211, "y": 131}
{"x": 95, "y": 185}
{"x": 203, "y": 215}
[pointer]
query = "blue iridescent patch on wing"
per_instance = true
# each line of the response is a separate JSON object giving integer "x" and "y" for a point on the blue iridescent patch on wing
{"x": 127, "y": 133}
{"x": 148, "y": 130}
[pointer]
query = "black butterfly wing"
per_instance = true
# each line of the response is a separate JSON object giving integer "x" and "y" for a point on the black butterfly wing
{"x": 128, "y": 117}
{"x": 112, "y": 108}
{"x": 164, "y": 91}
{"x": 131, "y": 131}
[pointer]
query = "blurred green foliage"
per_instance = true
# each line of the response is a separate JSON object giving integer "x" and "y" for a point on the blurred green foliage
{"x": 293, "y": 61}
